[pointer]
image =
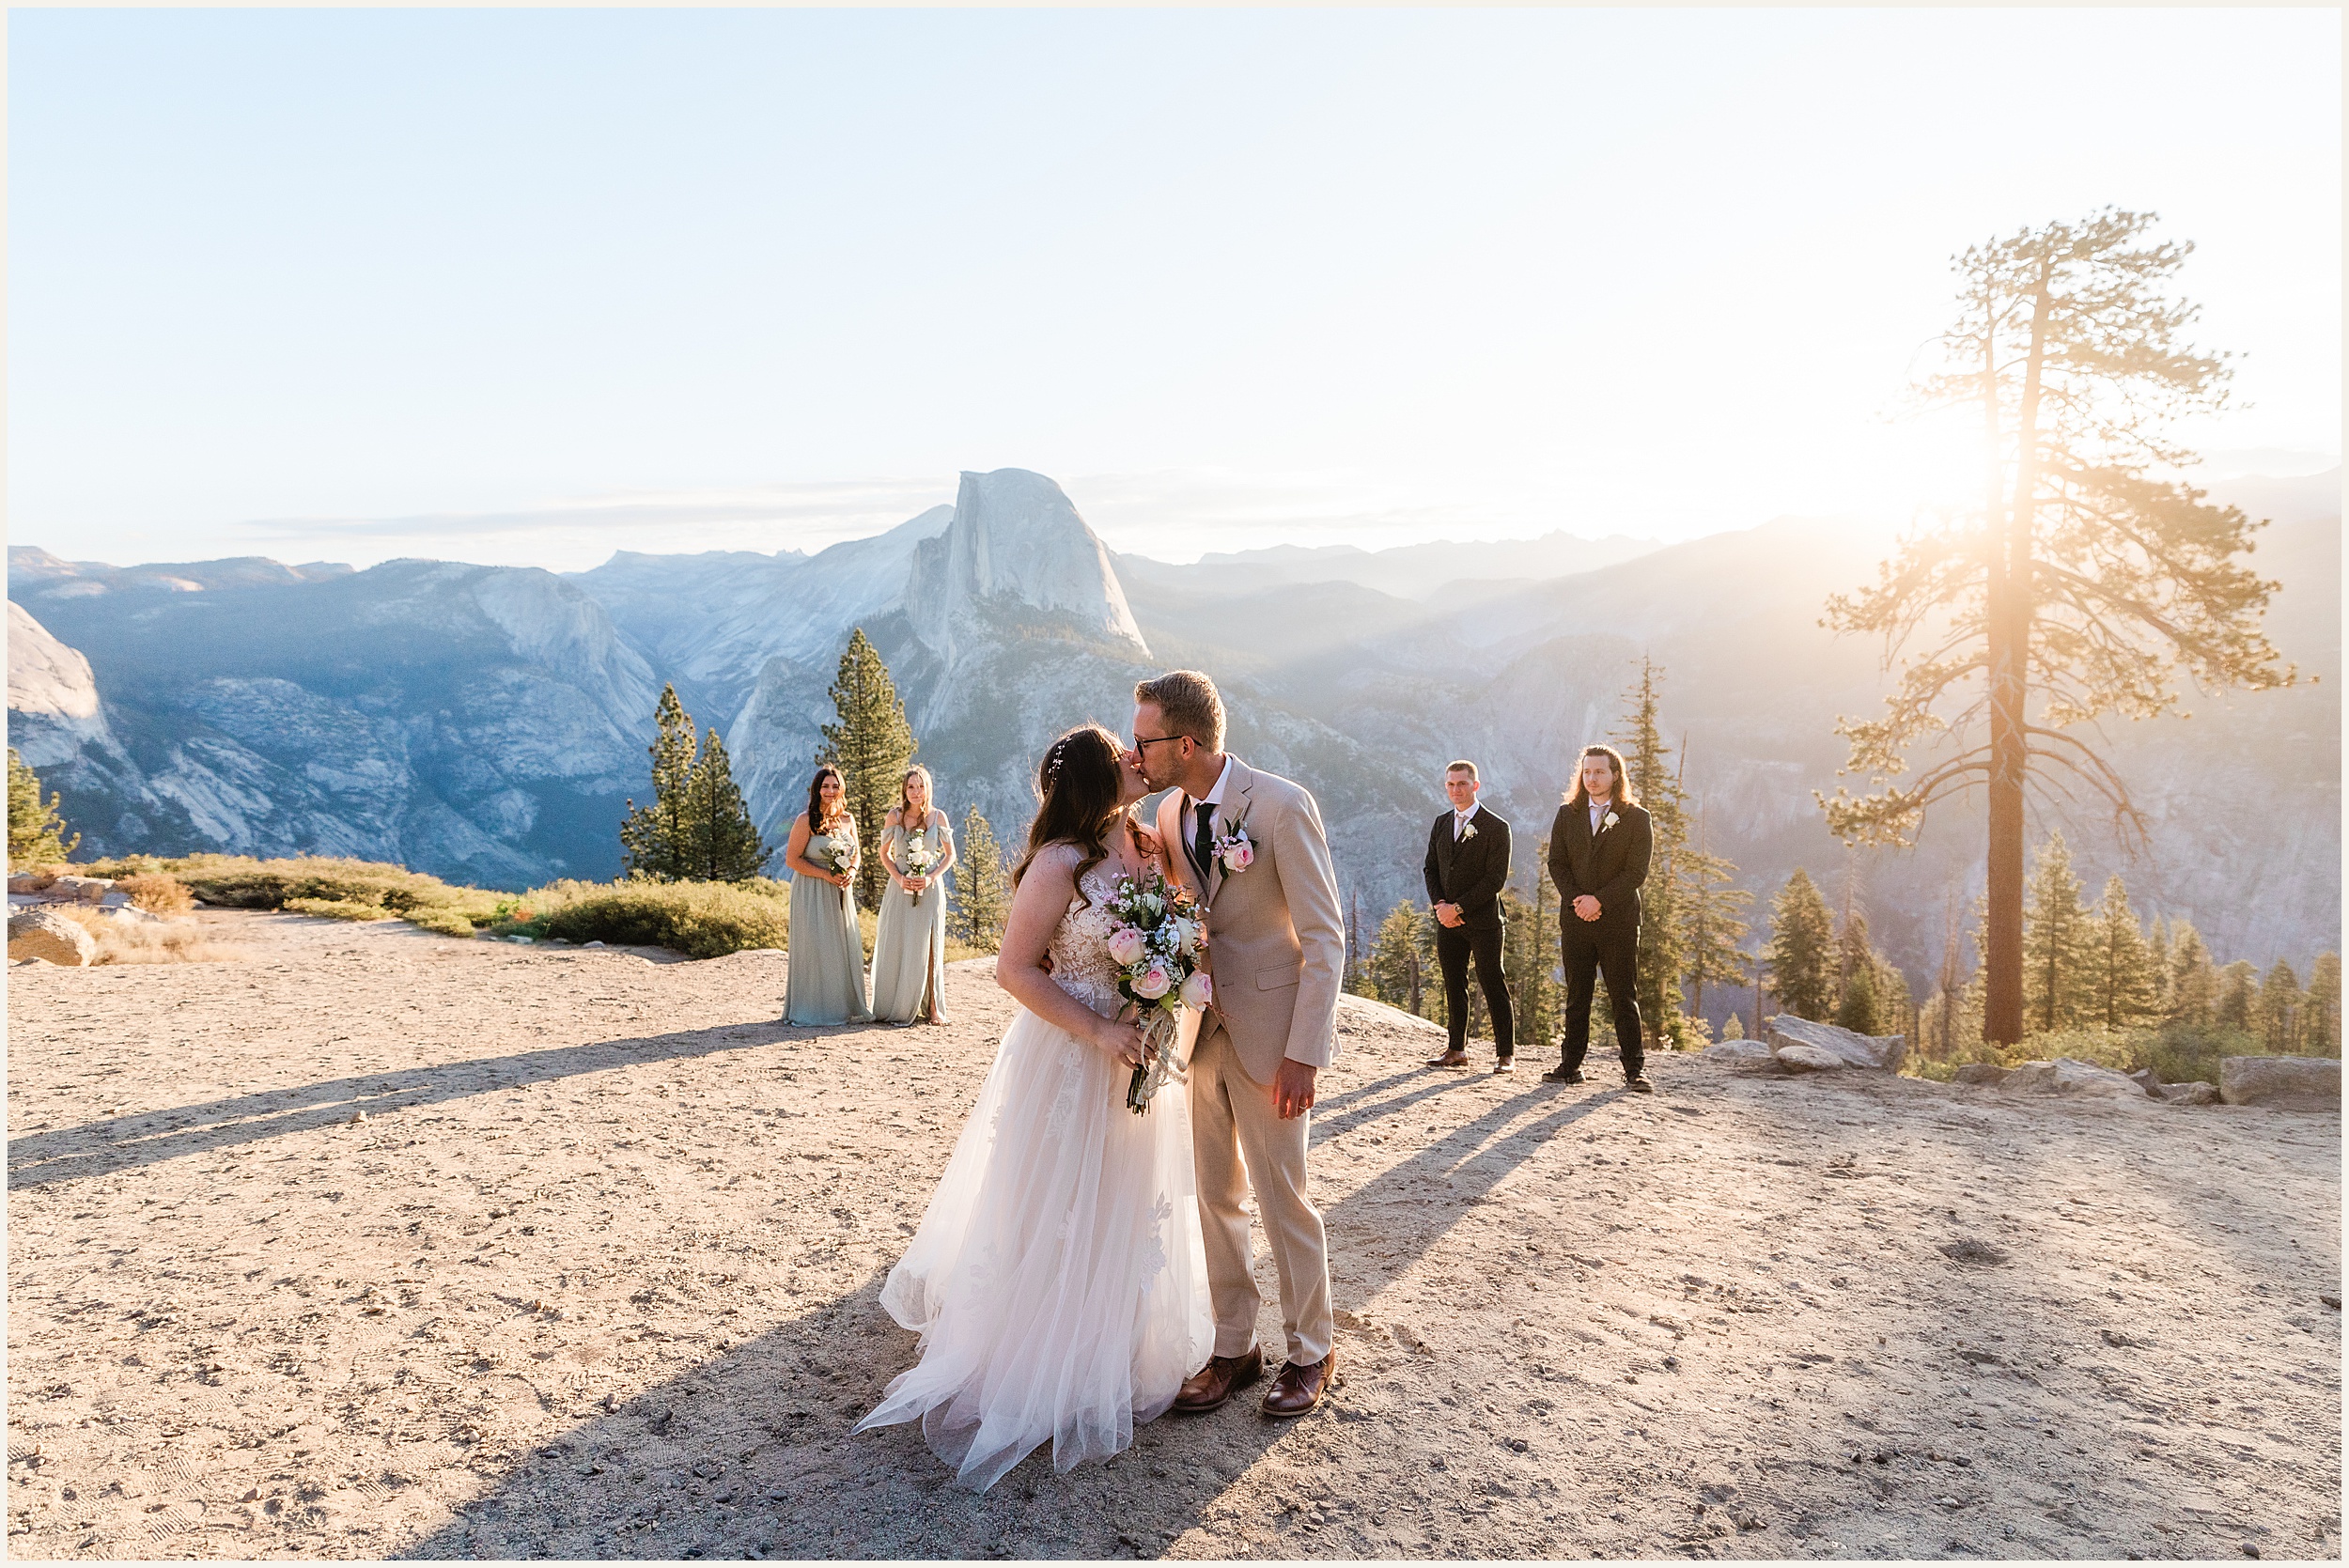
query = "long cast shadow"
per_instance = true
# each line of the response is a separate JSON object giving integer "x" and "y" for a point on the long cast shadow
{"x": 121, "y": 1142}
{"x": 789, "y": 1482}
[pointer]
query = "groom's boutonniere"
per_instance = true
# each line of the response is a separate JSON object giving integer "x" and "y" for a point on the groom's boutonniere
{"x": 1608, "y": 821}
{"x": 1234, "y": 849}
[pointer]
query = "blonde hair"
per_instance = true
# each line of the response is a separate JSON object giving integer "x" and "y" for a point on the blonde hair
{"x": 929, "y": 792}
{"x": 1188, "y": 701}
{"x": 1622, "y": 796}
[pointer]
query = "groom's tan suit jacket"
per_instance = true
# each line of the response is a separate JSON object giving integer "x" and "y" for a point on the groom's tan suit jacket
{"x": 1276, "y": 932}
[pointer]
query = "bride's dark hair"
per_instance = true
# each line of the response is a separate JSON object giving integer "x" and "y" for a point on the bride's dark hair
{"x": 1078, "y": 787}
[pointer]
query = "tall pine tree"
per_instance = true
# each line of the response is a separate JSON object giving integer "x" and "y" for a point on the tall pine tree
{"x": 657, "y": 840}
{"x": 35, "y": 829}
{"x": 722, "y": 842}
{"x": 982, "y": 892}
{"x": 2193, "y": 979}
{"x": 1712, "y": 908}
{"x": 2238, "y": 996}
{"x": 2320, "y": 1018}
{"x": 1529, "y": 952}
{"x": 1663, "y": 933}
{"x": 2122, "y": 978}
{"x": 2057, "y": 944}
{"x": 1400, "y": 960}
{"x": 1801, "y": 952}
{"x": 2279, "y": 1005}
{"x": 872, "y": 746}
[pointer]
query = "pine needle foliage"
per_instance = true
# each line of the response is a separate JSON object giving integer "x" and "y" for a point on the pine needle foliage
{"x": 36, "y": 831}
{"x": 2078, "y": 585}
{"x": 982, "y": 891}
{"x": 1663, "y": 934}
{"x": 872, "y": 745}
{"x": 1801, "y": 954}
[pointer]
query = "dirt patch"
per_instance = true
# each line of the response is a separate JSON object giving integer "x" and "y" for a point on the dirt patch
{"x": 385, "y": 1243}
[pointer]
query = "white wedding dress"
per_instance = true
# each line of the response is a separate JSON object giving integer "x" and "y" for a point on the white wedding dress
{"x": 1059, "y": 1280}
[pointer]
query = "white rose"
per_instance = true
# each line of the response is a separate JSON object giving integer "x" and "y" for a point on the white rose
{"x": 1126, "y": 944}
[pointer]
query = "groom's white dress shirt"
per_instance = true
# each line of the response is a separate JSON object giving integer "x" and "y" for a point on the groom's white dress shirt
{"x": 1215, "y": 797}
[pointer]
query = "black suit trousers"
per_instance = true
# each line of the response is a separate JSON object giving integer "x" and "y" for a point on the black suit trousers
{"x": 1590, "y": 950}
{"x": 1455, "y": 946}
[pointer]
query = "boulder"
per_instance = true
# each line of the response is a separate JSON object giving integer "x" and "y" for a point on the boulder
{"x": 42, "y": 934}
{"x": 2073, "y": 1079}
{"x": 80, "y": 889}
{"x": 1809, "y": 1059}
{"x": 2197, "y": 1093}
{"x": 1741, "y": 1053}
{"x": 1882, "y": 1054}
{"x": 2285, "y": 1082}
{"x": 1984, "y": 1074}
{"x": 2149, "y": 1080}
{"x": 30, "y": 881}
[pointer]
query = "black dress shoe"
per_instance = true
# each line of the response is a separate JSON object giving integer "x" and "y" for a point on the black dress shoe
{"x": 1639, "y": 1085}
{"x": 1563, "y": 1075}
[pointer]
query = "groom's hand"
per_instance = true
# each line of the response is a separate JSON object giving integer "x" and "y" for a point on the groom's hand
{"x": 1293, "y": 1088}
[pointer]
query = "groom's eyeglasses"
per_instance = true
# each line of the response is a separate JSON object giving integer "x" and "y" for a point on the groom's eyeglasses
{"x": 1140, "y": 741}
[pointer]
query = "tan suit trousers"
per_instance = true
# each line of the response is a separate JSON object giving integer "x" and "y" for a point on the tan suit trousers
{"x": 1232, "y": 1120}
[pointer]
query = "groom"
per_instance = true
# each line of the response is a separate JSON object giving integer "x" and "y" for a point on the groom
{"x": 1251, "y": 845}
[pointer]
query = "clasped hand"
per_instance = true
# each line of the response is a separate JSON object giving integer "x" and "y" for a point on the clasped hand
{"x": 1586, "y": 907}
{"x": 1449, "y": 915}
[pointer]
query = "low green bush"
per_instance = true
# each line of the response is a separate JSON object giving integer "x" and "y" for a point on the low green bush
{"x": 341, "y": 908}
{"x": 244, "y": 882}
{"x": 2177, "y": 1052}
{"x": 701, "y": 920}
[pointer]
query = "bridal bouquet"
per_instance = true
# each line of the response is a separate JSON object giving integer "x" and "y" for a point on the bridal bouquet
{"x": 1160, "y": 934}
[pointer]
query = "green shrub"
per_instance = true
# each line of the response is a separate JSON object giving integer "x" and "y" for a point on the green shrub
{"x": 242, "y": 882}
{"x": 701, "y": 920}
{"x": 341, "y": 908}
{"x": 2178, "y": 1051}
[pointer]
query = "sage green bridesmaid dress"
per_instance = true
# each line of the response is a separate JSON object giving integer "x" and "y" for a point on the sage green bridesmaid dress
{"x": 825, "y": 982}
{"x": 909, "y": 948}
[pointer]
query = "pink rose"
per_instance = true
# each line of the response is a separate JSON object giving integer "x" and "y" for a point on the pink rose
{"x": 1239, "y": 857}
{"x": 1198, "y": 991}
{"x": 1126, "y": 944}
{"x": 1153, "y": 983}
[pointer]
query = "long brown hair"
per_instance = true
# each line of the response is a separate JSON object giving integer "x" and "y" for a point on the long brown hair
{"x": 816, "y": 821}
{"x": 1622, "y": 796}
{"x": 1078, "y": 785}
{"x": 929, "y": 794}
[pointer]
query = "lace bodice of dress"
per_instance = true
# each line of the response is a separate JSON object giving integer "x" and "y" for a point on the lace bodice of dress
{"x": 1079, "y": 950}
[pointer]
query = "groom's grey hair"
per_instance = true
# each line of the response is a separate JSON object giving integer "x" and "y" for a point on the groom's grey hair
{"x": 1187, "y": 700}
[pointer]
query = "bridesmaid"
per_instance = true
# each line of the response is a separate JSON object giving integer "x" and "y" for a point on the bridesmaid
{"x": 825, "y": 982}
{"x": 910, "y": 951}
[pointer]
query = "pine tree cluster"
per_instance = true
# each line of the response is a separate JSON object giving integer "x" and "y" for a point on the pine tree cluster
{"x": 36, "y": 831}
{"x": 696, "y": 828}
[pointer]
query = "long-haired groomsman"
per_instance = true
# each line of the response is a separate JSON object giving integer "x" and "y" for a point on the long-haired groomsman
{"x": 1468, "y": 865}
{"x": 1598, "y": 855}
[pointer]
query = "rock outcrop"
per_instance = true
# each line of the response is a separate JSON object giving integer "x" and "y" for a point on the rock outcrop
{"x": 1882, "y": 1054}
{"x": 50, "y": 936}
{"x": 2283, "y": 1082}
{"x": 1979, "y": 1075}
{"x": 2073, "y": 1079}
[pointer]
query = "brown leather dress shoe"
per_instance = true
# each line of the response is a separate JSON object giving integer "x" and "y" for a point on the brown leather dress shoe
{"x": 1298, "y": 1389}
{"x": 1212, "y": 1384}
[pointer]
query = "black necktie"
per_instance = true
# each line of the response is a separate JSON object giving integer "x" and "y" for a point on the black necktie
{"x": 1201, "y": 841}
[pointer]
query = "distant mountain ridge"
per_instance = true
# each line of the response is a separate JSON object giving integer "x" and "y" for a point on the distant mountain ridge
{"x": 487, "y": 723}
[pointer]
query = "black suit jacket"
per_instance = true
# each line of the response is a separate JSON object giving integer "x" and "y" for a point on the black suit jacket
{"x": 1609, "y": 867}
{"x": 1470, "y": 874}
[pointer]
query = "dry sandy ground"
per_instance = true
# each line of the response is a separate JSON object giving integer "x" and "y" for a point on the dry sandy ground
{"x": 595, "y": 1273}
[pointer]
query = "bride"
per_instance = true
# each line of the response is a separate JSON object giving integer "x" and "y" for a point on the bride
{"x": 1059, "y": 1280}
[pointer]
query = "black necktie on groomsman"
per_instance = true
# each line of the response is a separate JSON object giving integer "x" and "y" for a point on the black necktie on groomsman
{"x": 1203, "y": 841}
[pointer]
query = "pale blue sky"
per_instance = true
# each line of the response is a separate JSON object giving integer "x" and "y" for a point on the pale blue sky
{"x": 532, "y": 286}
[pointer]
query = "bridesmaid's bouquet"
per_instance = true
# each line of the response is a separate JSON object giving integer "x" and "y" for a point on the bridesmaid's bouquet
{"x": 841, "y": 850}
{"x": 1161, "y": 936}
{"x": 919, "y": 856}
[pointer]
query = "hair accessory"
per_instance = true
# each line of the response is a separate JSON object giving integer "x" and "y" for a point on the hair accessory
{"x": 1052, "y": 760}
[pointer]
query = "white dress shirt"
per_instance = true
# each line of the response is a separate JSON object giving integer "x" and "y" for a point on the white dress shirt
{"x": 1460, "y": 820}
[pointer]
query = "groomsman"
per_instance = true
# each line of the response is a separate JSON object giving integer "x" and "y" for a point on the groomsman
{"x": 1468, "y": 865}
{"x": 1598, "y": 855}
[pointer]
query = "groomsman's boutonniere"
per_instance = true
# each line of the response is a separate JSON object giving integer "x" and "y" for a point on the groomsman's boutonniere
{"x": 1608, "y": 821}
{"x": 1236, "y": 850}
{"x": 1467, "y": 831}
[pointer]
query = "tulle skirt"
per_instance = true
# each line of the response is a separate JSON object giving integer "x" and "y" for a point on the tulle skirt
{"x": 1059, "y": 1280}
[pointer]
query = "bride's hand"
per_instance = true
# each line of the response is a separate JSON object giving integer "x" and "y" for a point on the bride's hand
{"x": 1121, "y": 1038}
